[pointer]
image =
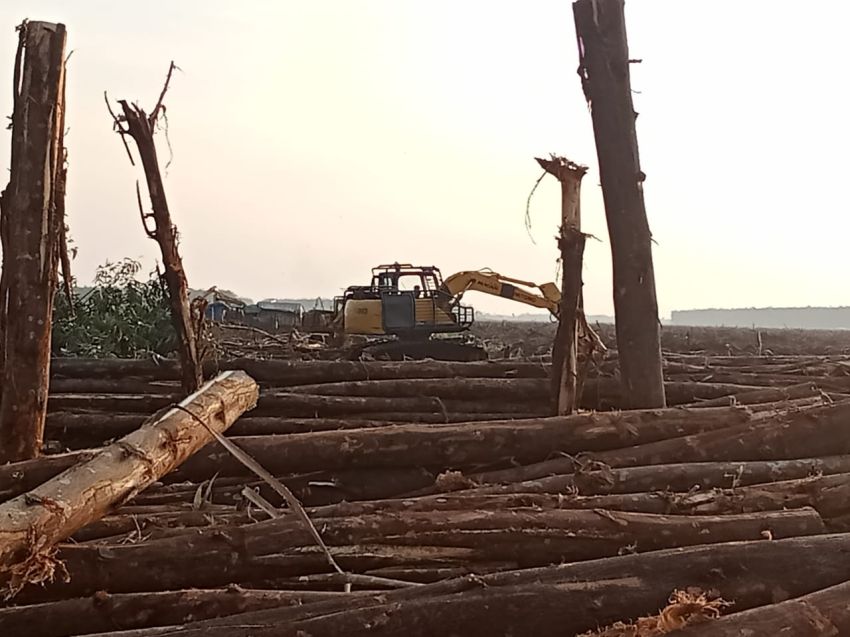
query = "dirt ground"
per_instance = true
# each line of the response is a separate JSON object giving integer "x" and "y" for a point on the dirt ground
{"x": 533, "y": 339}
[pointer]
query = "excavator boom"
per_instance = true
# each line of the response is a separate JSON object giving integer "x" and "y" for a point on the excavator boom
{"x": 546, "y": 295}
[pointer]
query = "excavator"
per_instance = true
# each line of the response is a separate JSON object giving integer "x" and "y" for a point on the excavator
{"x": 410, "y": 311}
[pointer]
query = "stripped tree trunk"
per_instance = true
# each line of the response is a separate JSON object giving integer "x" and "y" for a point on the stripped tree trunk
{"x": 30, "y": 240}
{"x": 135, "y": 123}
{"x": 604, "y": 70}
{"x": 565, "y": 369}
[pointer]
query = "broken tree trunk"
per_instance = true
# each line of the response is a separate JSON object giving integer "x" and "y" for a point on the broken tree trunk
{"x": 32, "y": 523}
{"x": 565, "y": 382}
{"x": 30, "y": 237}
{"x": 135, "y": 123}
{"x": 604, "y": 71}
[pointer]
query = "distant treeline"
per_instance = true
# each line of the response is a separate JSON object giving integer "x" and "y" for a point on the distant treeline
{"x": 829, "y": 318}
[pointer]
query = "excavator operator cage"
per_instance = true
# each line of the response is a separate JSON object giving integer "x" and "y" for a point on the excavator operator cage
{"x": 425, "y": 280}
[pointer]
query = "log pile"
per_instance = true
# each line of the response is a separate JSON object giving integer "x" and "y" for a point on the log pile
{"x": 96, "y": 400}
{"x": 511, "y": 526}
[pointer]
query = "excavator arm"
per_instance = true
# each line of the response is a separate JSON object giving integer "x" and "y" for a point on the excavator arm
{"x": 546, "y": 296}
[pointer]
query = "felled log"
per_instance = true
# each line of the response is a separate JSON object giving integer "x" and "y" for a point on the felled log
{"x": 53, "y": 511}
{"x": 766, "y": 395}
{"x": 606, "y": 393}
{"x": 306, "y": 405}
{"x": 559, "y": 600}
{"x": 840, "y": 384}
{"x": 461, "y": 444}
{"x": 820, "y": 614}
{"x": 154, "y": 521}
{"x": 282, "y": 547}
{"x": 814, "y": 432}
{"x": 122, "y": 403}
{"x": 502, "y": 389}
{"x": 829, "y": 495}
{"x": 83, "y": 430}
{"x": 287, "y": 373}
{"x": 312, "y": 489}
{"x": 296, "y": 405}
{"x": 103, "y": 612}
{"x": 676, "y": 478}
{"x": 19, "y": 477}
{"x": 95, "y": 385}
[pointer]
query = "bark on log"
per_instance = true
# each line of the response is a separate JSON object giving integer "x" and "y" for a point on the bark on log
{"x": 824, "y": 613}
{"x": 767, "y": 395}
{"x": 86, "y": 430}
{"x": 305, "y": 405}
{"x": 282, "y": 547}
{"x": 30, "y": 246}
{"x": 559, "y": 600}
{"x": 297, "y": 405}
{"x": 675, "y": 478}
{"x": 597, "y": 393}
{"x": 52, "y": 512}
{"x": 59, "y": 385}
{"x": 19, "y": 477}
{"x": 604, "y": 71}
{"x": 312, "y": 489}
{"x": 103, "y": 612}
{"x": 140, "y": 126}
{"x": 503, "y": 389}
{"x": 478, "y": 442}
{"x": 463, "y": 444}
{"x": 814, "y": 432}
{"x": 281, "y": 373}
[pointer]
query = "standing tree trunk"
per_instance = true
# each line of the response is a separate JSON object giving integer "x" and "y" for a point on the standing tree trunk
{"x": 30, "y": 237}
{"x": 135, "y": 123}
{"x": 566, "y": 388}
{"x": 604, "y": 71}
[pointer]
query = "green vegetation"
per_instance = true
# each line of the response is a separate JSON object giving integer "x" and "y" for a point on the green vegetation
{"x": 120, "y": 317}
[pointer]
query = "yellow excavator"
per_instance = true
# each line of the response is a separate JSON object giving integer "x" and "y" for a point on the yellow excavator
{"x": 408, "y": 310}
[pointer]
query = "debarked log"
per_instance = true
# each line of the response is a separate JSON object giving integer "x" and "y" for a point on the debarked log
{"x": 42, "y": 517}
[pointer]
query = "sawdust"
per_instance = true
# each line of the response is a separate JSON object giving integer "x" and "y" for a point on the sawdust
{"x": 453, "y": 481}
{"x": 685, "y": 607}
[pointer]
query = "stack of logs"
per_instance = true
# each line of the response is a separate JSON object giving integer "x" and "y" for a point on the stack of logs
{"x": 94, "y": 400}
{"x": 452, "y": 505}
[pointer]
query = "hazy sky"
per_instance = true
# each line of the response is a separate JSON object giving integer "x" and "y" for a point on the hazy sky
{"x": 313, "y": 140}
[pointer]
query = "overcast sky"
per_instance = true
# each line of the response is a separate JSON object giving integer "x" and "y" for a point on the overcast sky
{"x": 313, "y": 140}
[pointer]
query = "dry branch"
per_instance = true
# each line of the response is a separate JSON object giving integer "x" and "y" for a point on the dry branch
{"x": 140, "y": 127}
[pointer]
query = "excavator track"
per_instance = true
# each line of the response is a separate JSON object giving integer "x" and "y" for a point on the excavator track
{"x": 435, "y": 349}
